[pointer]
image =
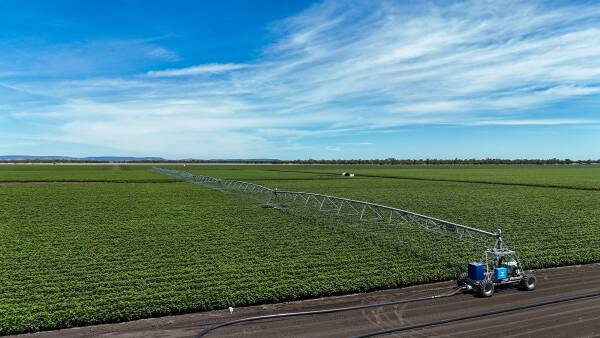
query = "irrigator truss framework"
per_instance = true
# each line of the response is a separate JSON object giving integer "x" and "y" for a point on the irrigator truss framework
{"x": 340, "y": 207}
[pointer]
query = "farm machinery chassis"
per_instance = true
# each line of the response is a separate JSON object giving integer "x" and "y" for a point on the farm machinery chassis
{"x": 500, "y": 267}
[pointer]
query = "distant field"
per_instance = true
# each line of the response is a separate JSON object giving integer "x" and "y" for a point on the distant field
{"x": 574, "y": 176}
{"x": 99, "y": 251}
{"x": 78, "y": 173}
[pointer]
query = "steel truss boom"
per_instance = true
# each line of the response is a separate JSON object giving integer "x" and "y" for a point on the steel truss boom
{"x": 343, "y": 207}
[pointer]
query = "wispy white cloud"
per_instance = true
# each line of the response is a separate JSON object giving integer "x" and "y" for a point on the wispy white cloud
{"x": 342, "y": 68}
{"x": 163, "y": 53}
{"x": 39, "y": 59}
{"x": 164, "y": 136}
{"x": 334, "y": 148}
{"x": 534, "y": 122}
{"x": 211, "y": 68}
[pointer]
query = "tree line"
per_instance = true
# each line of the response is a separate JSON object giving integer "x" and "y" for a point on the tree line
{"x": 387, "y": 161}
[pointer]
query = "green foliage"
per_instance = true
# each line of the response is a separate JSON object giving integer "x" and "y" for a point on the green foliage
{"x": 20, "y": 173}
{"x": 584, "y": 177}
{"x": 87, "y": 253}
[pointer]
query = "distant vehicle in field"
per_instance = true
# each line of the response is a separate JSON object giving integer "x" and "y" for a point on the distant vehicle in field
{"x": 347, "y": 174}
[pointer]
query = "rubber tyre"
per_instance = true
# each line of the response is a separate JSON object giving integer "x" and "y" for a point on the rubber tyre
{"x": 486, "y": 289}
{"x": 528, "y": 283}
{"x": 461, "y": 279}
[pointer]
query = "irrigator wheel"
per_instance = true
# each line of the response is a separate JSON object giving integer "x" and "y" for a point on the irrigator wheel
{"x": 461, "y": 279}
{"x": 528, "y": 282}
{"x": 486, "y": 289}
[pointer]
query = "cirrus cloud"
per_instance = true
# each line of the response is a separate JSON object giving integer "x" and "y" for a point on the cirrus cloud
{"x": 338, "y": 69}
{"x": 211, "y": 68}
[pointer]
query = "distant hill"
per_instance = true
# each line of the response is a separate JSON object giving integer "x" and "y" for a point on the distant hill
{"x": 34, "y": 158}
{"x": 31, "y": 158}
{"x": 68, "y": 158}
{"x": 122, "y": 158}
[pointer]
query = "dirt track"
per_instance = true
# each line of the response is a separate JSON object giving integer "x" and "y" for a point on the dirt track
{"x": 571, "y": 319}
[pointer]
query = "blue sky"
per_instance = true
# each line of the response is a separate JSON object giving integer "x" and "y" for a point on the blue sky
{"x": 300, "y": 79}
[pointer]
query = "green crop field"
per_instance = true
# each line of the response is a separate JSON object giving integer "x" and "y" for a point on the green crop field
{"x": 93, "y": 244}
{"x": 78, "y": 173}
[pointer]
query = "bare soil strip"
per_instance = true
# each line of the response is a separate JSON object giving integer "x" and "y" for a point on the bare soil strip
{"x": 571, "y": 319}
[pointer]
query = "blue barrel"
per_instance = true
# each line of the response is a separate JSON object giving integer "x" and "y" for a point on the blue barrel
{"x": 500, "y": 273}
{"x": 476, "y": 271}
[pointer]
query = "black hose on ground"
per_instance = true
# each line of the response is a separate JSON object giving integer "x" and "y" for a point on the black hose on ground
{"x": 317, "y": 312}
{"x": 477, "y": 315}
